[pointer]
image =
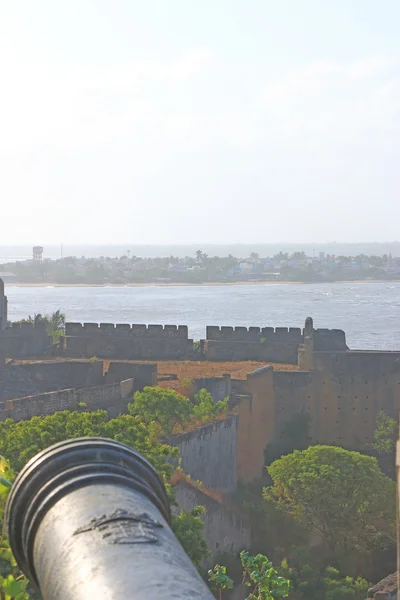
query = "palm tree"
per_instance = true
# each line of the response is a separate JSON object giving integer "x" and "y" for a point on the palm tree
{"x": 57, "y": 322}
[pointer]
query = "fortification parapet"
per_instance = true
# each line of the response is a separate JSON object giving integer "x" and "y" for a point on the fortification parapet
{"x": 24, "y": 340}
{"x": 127, "y": 330}
{"x": 254, "y": 334}
{"x": 331, "y": 340}
{"x": 131, "y": 342}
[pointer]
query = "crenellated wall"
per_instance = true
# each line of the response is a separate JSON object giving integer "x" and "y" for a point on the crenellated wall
{"x": 125, "y": 330}
{"x": 266, "y": 343}
{"x": 129, "y": 342}
{"x": 23, "y": 340}
{"x": 171, "y": 342}
{"x": 254, "y": 334}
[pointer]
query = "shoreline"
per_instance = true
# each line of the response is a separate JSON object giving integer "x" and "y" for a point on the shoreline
{"x": 204, "y": 284}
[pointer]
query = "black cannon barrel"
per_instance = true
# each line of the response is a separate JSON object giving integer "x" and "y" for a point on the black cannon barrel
{"x": 89, "y": 519}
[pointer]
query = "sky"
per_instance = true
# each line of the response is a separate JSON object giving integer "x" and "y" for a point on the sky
{"x": 188, "y": 121}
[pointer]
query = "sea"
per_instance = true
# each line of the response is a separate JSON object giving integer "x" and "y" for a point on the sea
{"x": 368, "y": 312}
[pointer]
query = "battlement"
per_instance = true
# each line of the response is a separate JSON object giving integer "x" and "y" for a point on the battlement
{"x": 125, "y": 330}
{"x": 24, "y": 339}
{"x": 254, "y": 334}
{"x": 329, "y": 339}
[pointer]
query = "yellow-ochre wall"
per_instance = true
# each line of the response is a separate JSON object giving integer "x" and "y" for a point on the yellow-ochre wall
{"x": 343, "y": 395}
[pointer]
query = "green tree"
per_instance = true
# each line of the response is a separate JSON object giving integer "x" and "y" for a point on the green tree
{"x": 6, "y": 477}
{"x": 309, "y": 583}
{"x": 188, "y": 528}
{"x": 341, "y": 495}
{"x": 53, "y": 324}
{"x": 56, "y": 324}
{"x": 21, "y": 441}
{"x": 385, "y": 434}
{"x": 258, "y": 574}
{"x": 163, "y": 406}
{"x": 219, "y": 580}
{"x": 13, "y": 583}
{"x": 205, "y": 408}
{"x": 343, "y": 588}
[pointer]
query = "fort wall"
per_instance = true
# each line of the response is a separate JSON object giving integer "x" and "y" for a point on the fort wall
{"x": 130, "y": 342}
{"x": 280, "y": 352}
{"x": 208, "y": 453}
{"x": 143, "y": 374}
{"x": 267, "y": 344}
{"x": 23, "y": 340}
{"x": 48, "y": 403}
{"x": 113, "y": 397}
{"x": 64, "y": 374}
{"x": 225, "y": 529}
{"x": 171, "y": 342}
{"x": 256, "y": 423}
{"x": 220, "y": 388}
{"x": 342, "y": 395}
{"x": 125, "y": 330}
{"x": 33, "y": 378}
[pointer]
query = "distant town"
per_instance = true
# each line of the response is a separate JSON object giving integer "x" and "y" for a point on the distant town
{"x": 199, "y": 268}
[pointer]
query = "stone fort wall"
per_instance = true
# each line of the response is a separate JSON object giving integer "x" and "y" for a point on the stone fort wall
{"x": 124, "y": 341}
{"x": 23, "y": 339}
{"x": 112, "y": 397}
{"x": 171, "y": 342}
{"x": 225, "y": 528}
{"x": 38, "y": 377}
{"x": 342, "y": 395}
{"x": 208, "y": 453}
{"x": 267, "y": 344}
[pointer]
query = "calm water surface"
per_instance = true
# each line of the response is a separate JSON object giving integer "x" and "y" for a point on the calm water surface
{"x": 368, "y": 312}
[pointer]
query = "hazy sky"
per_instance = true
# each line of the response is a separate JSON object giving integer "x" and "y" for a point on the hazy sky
{"x": 159, "y": 121}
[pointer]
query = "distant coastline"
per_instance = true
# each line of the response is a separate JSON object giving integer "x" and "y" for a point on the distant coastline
{"x": 204, "y": 284}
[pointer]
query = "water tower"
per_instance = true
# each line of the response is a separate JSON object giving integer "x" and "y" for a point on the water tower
{"x": 38, "y": 253}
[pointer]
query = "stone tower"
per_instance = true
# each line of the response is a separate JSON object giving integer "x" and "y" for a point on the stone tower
{"x": 3, "y": 307}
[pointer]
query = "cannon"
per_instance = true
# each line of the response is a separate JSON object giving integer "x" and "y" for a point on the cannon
{"x": 89, "y": 519}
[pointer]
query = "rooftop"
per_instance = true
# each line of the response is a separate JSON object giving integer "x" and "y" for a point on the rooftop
{"x": 187, "y": 369}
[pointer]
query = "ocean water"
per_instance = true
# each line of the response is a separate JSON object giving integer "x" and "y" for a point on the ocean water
{"x": 368, "y": 312}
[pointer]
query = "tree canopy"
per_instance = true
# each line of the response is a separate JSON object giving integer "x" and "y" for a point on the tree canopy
{"x": 21, "y": 441}
{"x": 168, "y": 409}
{"x": 341, "y": 495}
{"x": 163, "y": 406}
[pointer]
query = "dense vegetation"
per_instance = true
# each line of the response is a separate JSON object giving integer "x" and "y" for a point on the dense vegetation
{"x": 171, "y": 412}
{"x": 339, "y": 495}
{"x": 203, "y": 268}
{"x": 154, "y": 412}
{"x": 53, "y": 324}
{"x": 325, "y": 515}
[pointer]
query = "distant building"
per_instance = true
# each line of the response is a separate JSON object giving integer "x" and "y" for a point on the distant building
{"x": 37, "y": 252}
